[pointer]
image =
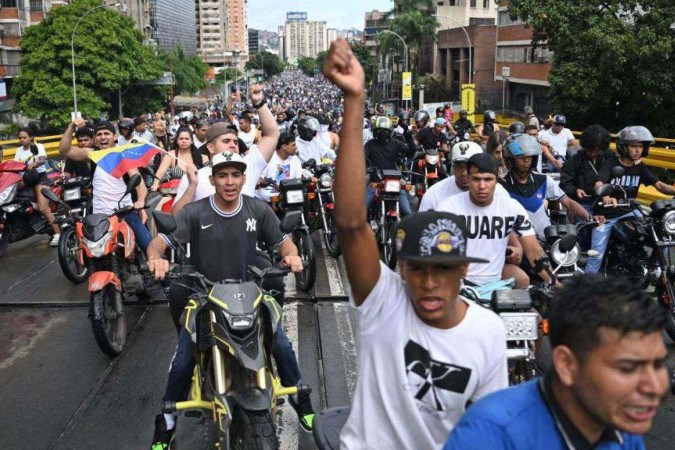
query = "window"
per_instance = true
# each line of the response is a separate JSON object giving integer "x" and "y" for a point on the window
{"x": 504, "y": 19}
{"x": 524, "y": 54}
{"x": 8, "y": 3}
{"x": 473, "y": 3}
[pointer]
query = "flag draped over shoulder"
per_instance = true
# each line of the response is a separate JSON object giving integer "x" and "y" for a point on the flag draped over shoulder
{"x": 119, "y": 160}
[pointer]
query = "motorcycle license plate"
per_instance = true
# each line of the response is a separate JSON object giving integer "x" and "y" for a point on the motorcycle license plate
{"x": 72, "y": 194}
{"x": 392, "y": 186}
{"x": 294, "y": 197}
{"x": 522, "y": 326}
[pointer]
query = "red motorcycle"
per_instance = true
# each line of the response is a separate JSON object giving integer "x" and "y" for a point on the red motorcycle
{"x": 19, "y": 217}
{"x": 428, "y": 168}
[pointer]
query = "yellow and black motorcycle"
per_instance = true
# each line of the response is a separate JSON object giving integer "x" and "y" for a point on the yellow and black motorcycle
{"x": 233, "y": 327}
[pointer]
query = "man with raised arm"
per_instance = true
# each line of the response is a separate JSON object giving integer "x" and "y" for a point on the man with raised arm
{"x": 425, "y": 351}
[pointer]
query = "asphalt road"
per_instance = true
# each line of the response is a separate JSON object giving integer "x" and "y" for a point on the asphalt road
{"x": 58, "y": 391}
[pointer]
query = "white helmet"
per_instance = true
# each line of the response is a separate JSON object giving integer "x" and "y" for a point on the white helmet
{"x": 462, "y": 151}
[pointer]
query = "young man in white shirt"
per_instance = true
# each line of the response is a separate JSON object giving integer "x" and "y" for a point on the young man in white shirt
{"x": 558, "y": 139}
{"x": 490, "y": 223}
{"x": 195, "y": 184}
{"x": 284, "y": 165}
{"x": 309, "y": 145}
{"x": 425, "y": 352}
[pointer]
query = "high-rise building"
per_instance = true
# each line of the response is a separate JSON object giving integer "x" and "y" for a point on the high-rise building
{"x": 376, "y": 21}
{"x": 253, "y": 41}
{"x": 222, "y": 32}
{"x": 299, "y": 37}
{"x": 331, "y": 35}
{"x": 172, "y": 24}
{"x": 237, "y": 26}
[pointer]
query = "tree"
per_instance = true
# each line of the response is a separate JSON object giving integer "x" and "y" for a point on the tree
{"x": 109, "y": 55}
{"x": 188, "y": 72}
{"x": 613, "y": 60}
{"x": 435, "y": 89}
{"x": 307, "y": 65}
{"x": 412, "y": 20}
{"x": 271, "y": 62}
{"x": 366, "y": 59}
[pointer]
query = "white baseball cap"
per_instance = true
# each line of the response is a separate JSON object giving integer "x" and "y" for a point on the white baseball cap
{"x": 228, "y": 159}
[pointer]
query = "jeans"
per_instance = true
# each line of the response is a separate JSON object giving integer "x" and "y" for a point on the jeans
{"x": 600, "y": 240}
{"x": 143, "y": 237}
{"x": 404, "y": 203}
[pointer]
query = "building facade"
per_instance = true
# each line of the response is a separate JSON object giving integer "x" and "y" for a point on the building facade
{"x": 222, "y": 32}
{"x": 375, "y": 21}
{"x": 173, "y": 24}
{"x": 298, "y": 38}
{"x": 253, "y": 41}
{"x": 237, "y": 26}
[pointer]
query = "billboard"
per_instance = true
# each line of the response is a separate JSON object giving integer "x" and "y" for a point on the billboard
{"x": 406, "y": 83}
{"x": 296, "y": 16}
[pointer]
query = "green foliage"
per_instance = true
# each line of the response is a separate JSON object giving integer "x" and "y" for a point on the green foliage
{"x": 188, "y": 72}
{"x": 271, "y": 63}
{"x": 435, "y": 89}
{"x": 613, "y": 60}
{"x": 108, "y": 54}
{"x": 232, "y": 74}
{"x": 366, "y": 60}
{"x": 412, "y": 20}
{"x": 307, "y": 65}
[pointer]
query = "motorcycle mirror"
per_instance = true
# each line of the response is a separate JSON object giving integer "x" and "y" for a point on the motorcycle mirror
{"x": 147, "y": 171}
{"x": 617, "y": 171}
{"x": 604, "y": 190}
{"x": 164, "y": 221}
{"x": 291, "y": 221}
{"x": 134, "y": 181}
{"x": 567, "y": 243}
{"x": 50, "y": 195}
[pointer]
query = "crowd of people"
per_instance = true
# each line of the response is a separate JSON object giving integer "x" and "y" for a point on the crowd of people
{"x": 432, "y": 365}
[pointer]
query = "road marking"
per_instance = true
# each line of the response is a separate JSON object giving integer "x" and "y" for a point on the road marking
{"x": 288, "y": 426}
{"x": 334, "y": 279}
{"x": 348, "y": 346}
{"x": 291, "y": 289}
{"x": 22, "y": 348}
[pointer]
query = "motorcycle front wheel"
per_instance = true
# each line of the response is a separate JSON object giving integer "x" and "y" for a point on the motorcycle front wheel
{"x": 4, "y": 240}
{"x": 388, "y": 246}
{"x": 330, "y": 237}
{"x": 109, "y": 327}
{"x": 303, "y": 240}
{"x": 68, "y": 257}
{"x": 253, "y": 430}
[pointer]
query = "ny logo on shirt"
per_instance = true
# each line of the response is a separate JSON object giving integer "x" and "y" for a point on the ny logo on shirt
{"x": 250, "y": 224}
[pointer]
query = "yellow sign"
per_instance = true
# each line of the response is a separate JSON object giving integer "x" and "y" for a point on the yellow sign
{"x": 469, "y": 100}
{"x": 407, "y": 86}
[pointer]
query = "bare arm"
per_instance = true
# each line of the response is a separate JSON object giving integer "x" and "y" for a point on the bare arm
{"x": 664, "y": 188}
{"x": 191, "y": 191}
{"x": 65, "y": 146}
{"x": 355, "y": 236}
{"x": 161, "y": 171}
{"x": 575, "y": 208}
{"x": 156, "y": 263}
{"x": 268, "y": 125}
{"x": 533, "y": 251}
{"x": 141, "y": 190}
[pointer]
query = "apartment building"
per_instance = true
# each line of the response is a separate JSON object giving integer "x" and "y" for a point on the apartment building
{"x": 298, "y": 38}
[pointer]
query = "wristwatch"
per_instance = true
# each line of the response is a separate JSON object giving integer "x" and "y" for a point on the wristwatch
{"x": 262, "y": 103}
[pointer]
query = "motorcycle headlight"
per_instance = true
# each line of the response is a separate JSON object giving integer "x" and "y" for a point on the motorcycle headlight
{"x": 521, "y": 326}
{"x": 11, "y": 207}
{"x": 564, "y": 259}
{"x": 97, "y": 248}
{"x": 72, "y": 194}
{"x": 326, "y": 181}
{"x": 239, "y": 322}
{"x": 294, "y": 197}
{"x": 8, "y": 194}
{"x": 668, "y": 223}
{"x": 432, "y": 160}
{"x": 392, "y": 186}
{"x": 168, "y": 191}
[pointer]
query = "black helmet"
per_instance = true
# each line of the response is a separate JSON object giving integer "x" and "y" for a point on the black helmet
{"x": 403, "y": 115}
{"x": 31, "y": 178}
{"x": 489, "y": 116}
{"x": 633, "y": 134}
{"x": 125, "y": 124}
{"x": 421, "y": 116}
{"x": 308, "y": 126}
{"x": 517, "y": 128}
{"x": 440, "y": 109}
{"x": 463, "y": 113}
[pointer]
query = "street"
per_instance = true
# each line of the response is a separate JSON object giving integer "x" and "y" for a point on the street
{"x": 59, "y": 391}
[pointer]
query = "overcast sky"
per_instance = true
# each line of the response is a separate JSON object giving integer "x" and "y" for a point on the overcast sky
{"x": 269, "y": 14}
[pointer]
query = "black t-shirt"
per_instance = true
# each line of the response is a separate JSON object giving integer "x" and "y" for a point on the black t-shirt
{"x": 81, "y": 168}
{"x": 384, "y": 155}
{"x": 429, "y": 140}
{"x": 223, "y": 245}
{"x": 633, "y": 177}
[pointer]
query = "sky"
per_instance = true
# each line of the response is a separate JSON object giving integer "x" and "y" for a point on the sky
{"x": 340, "y": 14}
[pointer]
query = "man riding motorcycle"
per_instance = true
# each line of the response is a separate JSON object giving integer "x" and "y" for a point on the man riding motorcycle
{"x": 488, "y": 127}
{"x": 126, "y": 128}
{"x": 632, "y": 144}
{"x": 433, "y": 137}
{"x": 463, "y": 124}
{"x": 310, "y": 146}
{"x": 382, "y": 153}
{"x": 531, "y": 189}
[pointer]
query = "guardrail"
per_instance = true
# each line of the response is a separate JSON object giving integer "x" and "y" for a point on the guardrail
{"x": 663, "y": 158}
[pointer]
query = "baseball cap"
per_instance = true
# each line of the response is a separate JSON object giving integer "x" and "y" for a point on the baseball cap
{"x": 218, "y": 129}
{"x": 439, "y": 121}
{"x": 104, "y": 125}
{"x": 433, "y": 237}
{"x": 225, "y": 159}
{"x": 559, "y": 120}
{"x": 485, "y": 162}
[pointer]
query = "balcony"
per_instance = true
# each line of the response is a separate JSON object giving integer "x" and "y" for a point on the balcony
{"x": 9, "y": 71}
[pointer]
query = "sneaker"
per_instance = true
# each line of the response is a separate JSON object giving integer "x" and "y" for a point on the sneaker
{"x": 303, "y": 407}
{"x": 163, "y": 437}
{"x": 55, "y": 241}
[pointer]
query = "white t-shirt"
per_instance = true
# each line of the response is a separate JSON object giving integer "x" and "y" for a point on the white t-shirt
{"x": 279, "y": 170}
{"x": 108, "y": 191}
{"x": 255, "y": 164}
{"x": 27, "y": 157}
{"x": 488, "y": 232}
{"x": 147, "y": 136}
{"x": 197, "y": 142}
{"x": 447, "y": 188}
{"x": 249, "y": 137}
{"x": 558, "y": 142}
{"x": 415, "y": 380}
{"x": 121, "y": 140}
{"x": 315, "y": 148}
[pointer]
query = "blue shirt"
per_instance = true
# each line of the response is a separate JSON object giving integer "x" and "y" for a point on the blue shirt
{"x": 521, "y": 418}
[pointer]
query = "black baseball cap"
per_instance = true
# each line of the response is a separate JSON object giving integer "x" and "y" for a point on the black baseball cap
{"x": 433, "y": 237}
{"x": 104, "y": 125}
{"x": 485, "y": 162}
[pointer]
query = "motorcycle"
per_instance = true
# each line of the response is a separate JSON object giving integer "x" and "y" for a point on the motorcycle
{"x": 384, "y": 214}
{"x": 428, "y": 165}
{"x": 19, "y": 218}
{"x": 117, "y": 269}
{"x": 639, "y": 248}
{"x": 322, "y": 204}
{"x": 291, "y": 201}
{"x": 233, "y": 327}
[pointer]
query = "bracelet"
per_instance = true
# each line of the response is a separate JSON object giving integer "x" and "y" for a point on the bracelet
{"x": 262, "y": 103}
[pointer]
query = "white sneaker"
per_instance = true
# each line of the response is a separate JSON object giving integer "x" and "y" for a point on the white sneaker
{"x": 55, "y": 241}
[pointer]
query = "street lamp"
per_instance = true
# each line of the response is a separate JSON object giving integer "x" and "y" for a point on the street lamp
{"x": 467, "y": 38}
{"x": 122, "y": 8}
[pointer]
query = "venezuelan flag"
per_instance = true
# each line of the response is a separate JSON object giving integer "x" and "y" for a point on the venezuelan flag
{"x": 119, "y": 160}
